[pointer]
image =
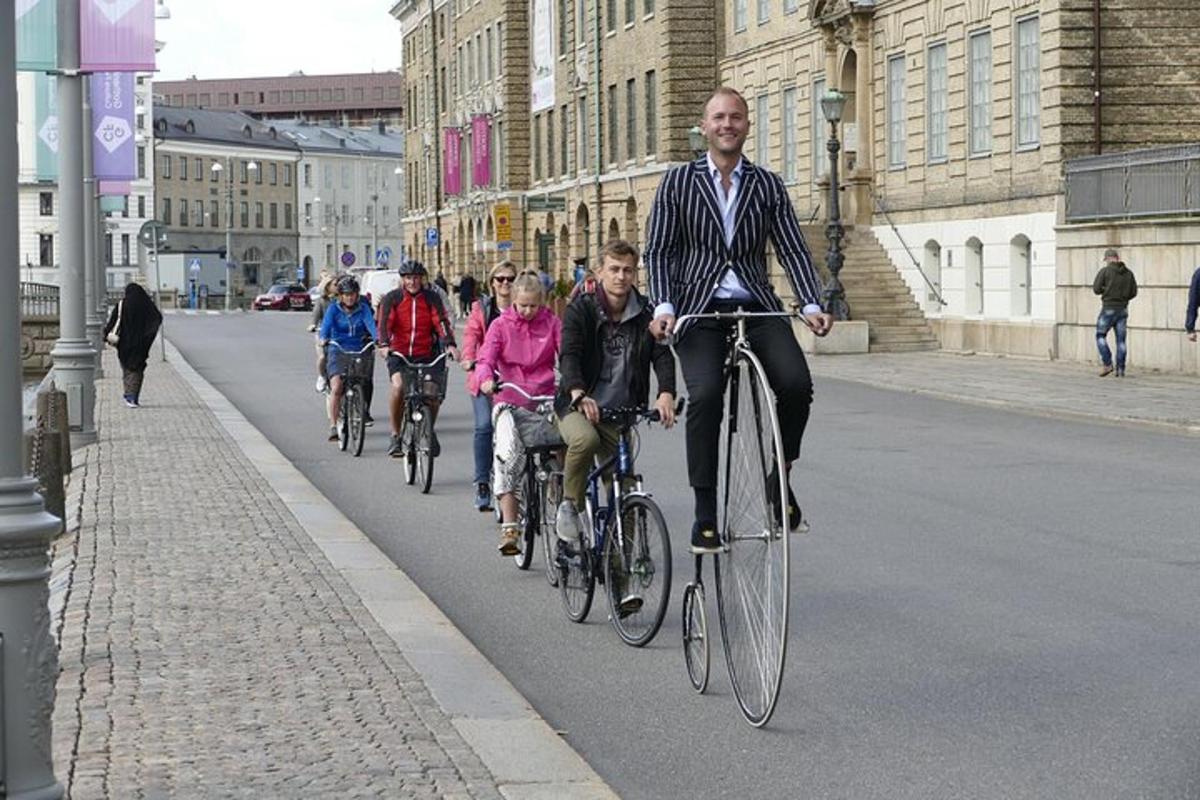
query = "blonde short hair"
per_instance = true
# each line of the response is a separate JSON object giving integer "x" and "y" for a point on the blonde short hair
{"x": 528, "y": 282}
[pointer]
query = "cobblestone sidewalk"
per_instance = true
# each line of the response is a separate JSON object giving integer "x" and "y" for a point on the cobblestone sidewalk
{"x": 208, "y": 648}
{"x": 1055, "y": 388}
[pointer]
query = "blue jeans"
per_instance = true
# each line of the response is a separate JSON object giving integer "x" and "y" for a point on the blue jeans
{"x": 482, "y": 405}
{"x": 1112, "y": 318}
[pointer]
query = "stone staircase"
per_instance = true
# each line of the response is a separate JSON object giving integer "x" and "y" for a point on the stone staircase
{"x": 876, "y": 292}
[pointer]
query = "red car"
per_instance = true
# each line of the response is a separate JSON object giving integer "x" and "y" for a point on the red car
{"x": 282, "y": 297}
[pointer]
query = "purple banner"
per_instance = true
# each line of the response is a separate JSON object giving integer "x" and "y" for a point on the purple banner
{"x": 481, "y": 150}
{"x": 453, "y": 161}
{"x": 113, "y": 151}
{"x": 116, "y": 35}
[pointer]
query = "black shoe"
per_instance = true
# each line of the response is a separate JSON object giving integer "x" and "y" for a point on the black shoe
{"x": 630, "y": 604}
{"x": 368, "y": 420}
{"x": 394, "y": 449}
{"x": 435, "y": 447}
{"x": 794, "y": 514}
{"x": 565, "y": 553}
{"x": 705, "y": 538}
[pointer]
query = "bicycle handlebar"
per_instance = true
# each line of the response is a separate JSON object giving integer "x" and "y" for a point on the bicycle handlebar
{"x": 533, "y": 398}
{"x": 365, "y": 348}
{"x": 635, "y": 413}
{"x": 417, "y": 365}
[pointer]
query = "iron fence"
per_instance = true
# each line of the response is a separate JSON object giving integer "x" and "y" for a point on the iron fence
{"x": 38, "y": 300}
{"x": 1157, "y": 182}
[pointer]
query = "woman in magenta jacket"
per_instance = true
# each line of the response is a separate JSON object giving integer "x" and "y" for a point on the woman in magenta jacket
{"x": 520, "y": 348}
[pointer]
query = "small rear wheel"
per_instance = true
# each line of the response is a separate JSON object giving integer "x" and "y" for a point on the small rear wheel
{"x": 695, "y": 636}
{"x": 637, "y": 570}
{"x": 356, "y": 422}
{"x": 551, "y": 495}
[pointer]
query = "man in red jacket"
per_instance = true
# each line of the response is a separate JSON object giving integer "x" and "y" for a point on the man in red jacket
{"x": 414, "y": 324}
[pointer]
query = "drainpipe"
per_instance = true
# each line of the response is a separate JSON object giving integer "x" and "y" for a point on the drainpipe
{"x": 437, "y": 133}
{"x": 1097, "y": 99}
{"x": 598, "y": 127}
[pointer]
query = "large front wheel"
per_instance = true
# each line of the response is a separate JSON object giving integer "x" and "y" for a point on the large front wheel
{"x": 637, "y": 570}
{"x": 408, "y": 448}
{"x": 577, "y": 577}
{"x": 355, "y": 420}
{"x": 528, "y": 513}
{"x": 423, "y": 447}
{"x": 752, "y": 570}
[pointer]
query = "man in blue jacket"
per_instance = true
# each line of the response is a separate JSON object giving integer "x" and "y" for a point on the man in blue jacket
{"x": 1193, "y": 305}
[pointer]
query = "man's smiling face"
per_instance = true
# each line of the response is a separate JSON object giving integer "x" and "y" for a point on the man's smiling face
{"x": 726, "y": 123}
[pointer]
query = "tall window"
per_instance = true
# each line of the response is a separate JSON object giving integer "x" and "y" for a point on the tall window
{"x": 937, "y": 121}
{"x": 214, "y": 215}
{"x": 979, "y": 95}
{"x": 563, "y": 41}
{"x": 183, "y": 165}
{"x": 896, "y": 110}
{"x": 791, "y": 6}
{"x": 630, "y": 11}
{"x": 820, "y": 165}
{"x": 550, "y": 144}
{"x": 198, "y": 175}
{"x": 610, "y": 12}
{"x": 141, "y": 207}
{"x": 739, "y": 15}
{"x": 764, "y": 11}
{"x": 46, "y": 204}
{"x": 537, "y": 148}
{"x": 789, "y": 134}
{"x": 762, "y": 129}
{"x": 198, "y": 213}
{"x": 580, "y": 21}
{"x": 563, "y": 141}
{"x": 581, "y": 127}
{"x": 1028, "y": 84}
{"x": 141, "y": 162}
{"x": 648, "y": 7}
{"x": 651, "y": 113}
{"x": 183, "y": 213}
{"x": 166, "y": 211}
{"x": 274, "y": 215}
{"x": 489, "y": 56}
{"x": 108, "y": 249}
{"x": 631, "y": 147}
{"x": 612, "y": 123}
{"x": 46, "y": 247}
{"x": 273, "y": 173}
{"x": 166, "y": 166}
{"x": 287, "y": 174}
{"x": 125, "y": 249}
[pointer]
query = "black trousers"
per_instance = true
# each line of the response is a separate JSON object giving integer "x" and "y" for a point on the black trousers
{"x": 702, "y": 357}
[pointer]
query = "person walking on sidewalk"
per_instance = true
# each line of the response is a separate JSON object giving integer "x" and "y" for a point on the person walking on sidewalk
{"x": 1193, "y": 305}
{"x": 706, "y": 252}
{"x": 1116, "y": 286}
{"x": 466, "y": 294}
{"x": 132, "y": 327}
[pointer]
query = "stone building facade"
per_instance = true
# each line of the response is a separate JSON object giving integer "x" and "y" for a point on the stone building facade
{"x": 201, "y": 158}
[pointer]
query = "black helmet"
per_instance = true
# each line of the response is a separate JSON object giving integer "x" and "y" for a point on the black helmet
{"x": 413, "y": 268}
{"x": 347, "y": 284}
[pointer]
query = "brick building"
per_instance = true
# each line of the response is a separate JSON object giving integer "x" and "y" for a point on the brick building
{"x": 354, "y": 99}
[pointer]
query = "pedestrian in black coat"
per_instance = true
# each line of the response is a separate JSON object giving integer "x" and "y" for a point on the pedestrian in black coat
{"x": 132, "y": 327}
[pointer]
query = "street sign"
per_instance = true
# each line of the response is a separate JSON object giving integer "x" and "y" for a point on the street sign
{"x": 507, "y": 245}
{"x": 348, "y": 258}
{"x": 194, "y": 267}
{"x": 383, "y": 256}
{"x": 431, "y": 237}
{"x": 545, "y": 202}
{"x": 299, "y": 272}
{"x": 503, "y": 222}
{"x": 153, "y": 234}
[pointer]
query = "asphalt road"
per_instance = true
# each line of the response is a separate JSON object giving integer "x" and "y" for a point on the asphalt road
{"x": 991, "y": 605}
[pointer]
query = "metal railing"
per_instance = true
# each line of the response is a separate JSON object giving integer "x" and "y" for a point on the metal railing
{"x": 1155, "y": 182}
{"x": 916, "y": 264}
{"x": 38, "y": 300}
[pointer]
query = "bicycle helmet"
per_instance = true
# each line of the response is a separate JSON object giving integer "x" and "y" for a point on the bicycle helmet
{"x": 412, "y": 268}
{"x": 347, "y": 284}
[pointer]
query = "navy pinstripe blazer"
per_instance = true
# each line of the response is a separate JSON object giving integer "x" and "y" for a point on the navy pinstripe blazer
{"x": 686, "y": 254}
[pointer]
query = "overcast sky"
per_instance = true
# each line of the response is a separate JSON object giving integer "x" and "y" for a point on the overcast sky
{"x": 254, "y": 38}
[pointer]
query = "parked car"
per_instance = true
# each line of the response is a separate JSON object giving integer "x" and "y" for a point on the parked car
{"x": 282, "y": 297}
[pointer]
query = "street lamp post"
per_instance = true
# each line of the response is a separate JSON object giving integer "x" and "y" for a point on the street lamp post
{"x": 832, "y": 103}
{"x": 228, "y": 169}
{"x": 28, "y": 654}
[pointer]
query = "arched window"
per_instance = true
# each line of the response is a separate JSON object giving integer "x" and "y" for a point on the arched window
{"x": 974, "y": 277}
{"x": 932, "y": 267}
{"x": 1020, "y": 275}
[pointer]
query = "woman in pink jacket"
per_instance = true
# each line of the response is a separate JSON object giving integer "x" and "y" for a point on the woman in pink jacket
{"x": 484, "y": 312}
{"x": 520, "y": 348}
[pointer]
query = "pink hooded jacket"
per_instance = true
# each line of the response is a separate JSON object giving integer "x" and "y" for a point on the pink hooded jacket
{"x": 472, "y": 342}
{"x": 520, "y": 351}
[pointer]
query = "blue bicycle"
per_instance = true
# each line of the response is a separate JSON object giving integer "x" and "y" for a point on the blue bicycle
{"x": 623, "y": 543}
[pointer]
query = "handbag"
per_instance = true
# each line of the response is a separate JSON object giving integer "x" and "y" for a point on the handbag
{"x": 113, "y": 337}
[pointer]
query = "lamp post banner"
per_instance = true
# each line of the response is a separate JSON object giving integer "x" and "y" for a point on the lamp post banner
{"x": 45, "y": 89}
{"x": 453, "y": 160}
{"x": 37, "y": 36}
{"x": 115, "y": 158}
{"x": 481, "y": 150}
{"x": 115, "y": 188}
{"x": 116, "y": 35}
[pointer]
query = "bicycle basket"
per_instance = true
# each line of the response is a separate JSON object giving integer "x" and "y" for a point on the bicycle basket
{"x": 360, "y": 367}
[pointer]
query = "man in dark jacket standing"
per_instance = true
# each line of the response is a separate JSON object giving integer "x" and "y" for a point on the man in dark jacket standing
{"x": 1116, "y": 286}
{"x": 605, "y": 358}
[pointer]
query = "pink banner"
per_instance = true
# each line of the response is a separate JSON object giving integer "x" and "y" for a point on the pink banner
{"x": 116, "y": 35}
{"x": 452, "y": 161}
{"x": 115, "y": 188}
{"x": 481, "y": 150}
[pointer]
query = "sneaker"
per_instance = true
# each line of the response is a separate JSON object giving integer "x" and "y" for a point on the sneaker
{"x": 1106, "y": 370}
{"x": 705, "y": 539}
{"x": 566, "y": 522}
{"x": 435, "y": 447}
{"x": 394, "y": 448}
{"x": 368, "y": 420}
{"x": 509, "y": 541}
{"x": 322, "y": 385}
{"x": 1120, "y": 372}
{"x": 130, "y": 402}
{"x": 333, "y": 433}
{"x": 483, "y": 497}
{"x": 630, "y": 604}
{"x": 564, "y": 553}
